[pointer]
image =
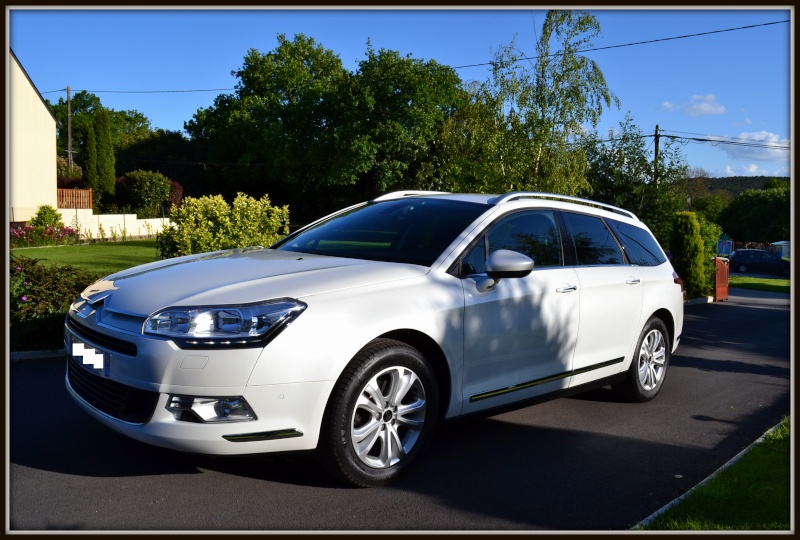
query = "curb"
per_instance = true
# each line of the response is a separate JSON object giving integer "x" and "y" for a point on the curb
{"x": 701, "y": 300}
{"x": 37, "y": 355}
{"x": 708, "y": 479}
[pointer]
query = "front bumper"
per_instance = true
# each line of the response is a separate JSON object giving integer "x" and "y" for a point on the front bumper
{"x": 129, "y": 394}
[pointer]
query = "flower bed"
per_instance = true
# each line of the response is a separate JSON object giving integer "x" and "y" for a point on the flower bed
{"x": 41, "y": 236}
{"x": 39, "y": 298}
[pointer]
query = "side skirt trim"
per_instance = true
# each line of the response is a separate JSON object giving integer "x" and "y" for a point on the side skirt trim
{"x": 537, "y": 382}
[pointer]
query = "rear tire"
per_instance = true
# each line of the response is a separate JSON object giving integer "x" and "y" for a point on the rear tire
{"x": 380, "y": 416}
{"x": 649, "y": 365}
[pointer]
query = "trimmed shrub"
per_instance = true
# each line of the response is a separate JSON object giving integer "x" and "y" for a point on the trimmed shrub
{"x": 46, "y": 216}
{"x": 145, "y": 192}
{"x": 689, "y": 252}
{"x": 39, "y": 298}
{"x": 209, "y": 223}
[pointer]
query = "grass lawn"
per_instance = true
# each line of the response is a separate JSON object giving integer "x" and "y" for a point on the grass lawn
{"x": 102, "y": 257}
{"x": 778, "y": 285}
{"x": 754, "y": 494}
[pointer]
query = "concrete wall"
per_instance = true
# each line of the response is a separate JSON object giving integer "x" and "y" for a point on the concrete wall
{"x": 32, "y": 148}
{"x": 112, "y": 224}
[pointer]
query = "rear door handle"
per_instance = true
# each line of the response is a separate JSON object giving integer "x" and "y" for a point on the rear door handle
{"x": 633, "y": 281}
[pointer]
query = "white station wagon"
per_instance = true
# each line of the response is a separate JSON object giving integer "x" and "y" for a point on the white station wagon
{"x": 355, "y": 335}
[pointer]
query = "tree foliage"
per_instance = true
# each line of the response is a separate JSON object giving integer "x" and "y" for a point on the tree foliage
{"x": 106, "y": 180}
{"x": 169, "y": 153}
{"x": 316, "y": 135}
{"x": 543, "y": 108}
{"x": 126, "y": 127}
{"x": 688, "y": 250}
{"x": 91, "y": 175}
{"x": 621, "y": 171}
{"x": 147, "y": 193}
{"x": 758, "y": 215}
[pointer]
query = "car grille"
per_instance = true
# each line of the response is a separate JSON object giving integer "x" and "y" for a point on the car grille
{"x": 102, "y": 340}
{"x": 110, "y": 397}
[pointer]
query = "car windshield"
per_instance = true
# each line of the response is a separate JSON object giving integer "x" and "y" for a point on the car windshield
{"x": 410, "y": 230}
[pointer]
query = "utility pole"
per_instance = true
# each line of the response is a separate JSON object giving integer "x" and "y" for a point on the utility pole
{"x": 69, "y": 132}
{"x": 655, "y": 161}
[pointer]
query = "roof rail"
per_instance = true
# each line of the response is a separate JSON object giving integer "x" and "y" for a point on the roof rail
{"x": 406, "y": 193}
{"x": 516, "y": 195}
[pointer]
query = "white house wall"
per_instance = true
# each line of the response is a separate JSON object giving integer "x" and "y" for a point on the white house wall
{"x": 32, "y": 148}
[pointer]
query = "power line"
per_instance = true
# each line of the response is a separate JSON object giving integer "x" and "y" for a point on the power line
{"x": 639, "y": 42}
{"x": 717, "y": 137}
{"x": 144, "y": 91}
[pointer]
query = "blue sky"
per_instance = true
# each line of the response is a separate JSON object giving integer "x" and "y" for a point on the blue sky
{"x": 733, "y": 85}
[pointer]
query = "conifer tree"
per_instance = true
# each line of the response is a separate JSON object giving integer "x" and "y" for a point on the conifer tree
{"x": 688, "y": 250}
{"x": 91, "y": 177}
{"x": 105, "y": 152}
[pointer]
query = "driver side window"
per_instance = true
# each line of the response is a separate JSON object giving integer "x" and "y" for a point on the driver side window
{"x": 532, "y": 233}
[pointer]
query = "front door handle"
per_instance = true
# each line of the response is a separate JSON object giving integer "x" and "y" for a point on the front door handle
{"x": 568, "y": 288}
{"x": 633, "y": 281}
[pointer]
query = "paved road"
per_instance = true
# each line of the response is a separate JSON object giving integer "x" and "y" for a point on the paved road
{"x": 588, "y": 462}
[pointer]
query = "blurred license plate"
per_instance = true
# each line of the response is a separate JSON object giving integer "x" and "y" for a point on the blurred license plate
{"x": 96, "y": 361}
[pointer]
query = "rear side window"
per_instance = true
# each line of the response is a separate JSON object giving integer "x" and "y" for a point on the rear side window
{"x": 594, "y": 243}
{"x": 640, "y": 246}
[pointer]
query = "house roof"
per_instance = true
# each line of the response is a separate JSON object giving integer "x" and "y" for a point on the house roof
{"x": 47, "y": 106}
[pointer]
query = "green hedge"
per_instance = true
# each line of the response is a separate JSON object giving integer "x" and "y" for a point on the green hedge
{"x": 209, "y": 224}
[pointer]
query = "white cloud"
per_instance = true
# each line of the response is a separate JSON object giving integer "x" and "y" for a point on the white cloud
{"x": 745, "y": 170}
{"x": 745, "y": 122}
{"x": 697, "y": 106}
{"x": 704, "y": 105}
{"x": 757, "y": 146}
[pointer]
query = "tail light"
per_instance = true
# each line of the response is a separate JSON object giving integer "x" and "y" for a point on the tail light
{"x": 677, "y": 280}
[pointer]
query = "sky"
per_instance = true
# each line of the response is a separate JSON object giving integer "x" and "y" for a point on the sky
{"x": 732, "y": 85}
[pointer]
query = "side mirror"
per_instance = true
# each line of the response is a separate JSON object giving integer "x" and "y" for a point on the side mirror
{"x": 504, "y": 263}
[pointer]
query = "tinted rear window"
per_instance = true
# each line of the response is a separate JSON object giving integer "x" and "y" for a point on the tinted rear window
{"x": 410, "y": 230}
{"x": 640, "y": 246}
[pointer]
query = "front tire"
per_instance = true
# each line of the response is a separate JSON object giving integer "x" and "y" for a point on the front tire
{"x": 381, "y": 414}
{"x": 742, "y": 268}
{"x": 648, "y": 369}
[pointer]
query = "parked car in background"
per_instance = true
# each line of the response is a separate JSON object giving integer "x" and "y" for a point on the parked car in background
{"x": 758, "y": 261}
{"x": 355, "y": 335}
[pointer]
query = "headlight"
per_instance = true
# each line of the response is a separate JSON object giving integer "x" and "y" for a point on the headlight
{"x": 250, "y": 325}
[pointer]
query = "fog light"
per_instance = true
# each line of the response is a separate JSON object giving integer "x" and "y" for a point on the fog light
{"x": 210, "y": 409}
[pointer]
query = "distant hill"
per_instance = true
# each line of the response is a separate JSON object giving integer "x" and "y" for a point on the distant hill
{"x": 736, "y": 184}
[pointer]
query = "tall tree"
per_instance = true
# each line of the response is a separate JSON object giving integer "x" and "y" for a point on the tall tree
{"x": 541, "y": 108}
{"x": 312, "y": 134}
{"x": 403, "y": 103}
{"x": 126, "y": 127}
{"x": 105, "y": 152}
{"x": 91, "y": 177}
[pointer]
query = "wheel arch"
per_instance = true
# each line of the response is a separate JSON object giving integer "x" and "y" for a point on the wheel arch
{"x": 669, "y": 321}
{"x": 434, "y": 355}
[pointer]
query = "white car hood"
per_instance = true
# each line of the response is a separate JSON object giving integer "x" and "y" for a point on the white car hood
{"x": 238, "y": 276}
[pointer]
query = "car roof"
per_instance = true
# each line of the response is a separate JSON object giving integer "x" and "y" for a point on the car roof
{"x": 520, "y": 197}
